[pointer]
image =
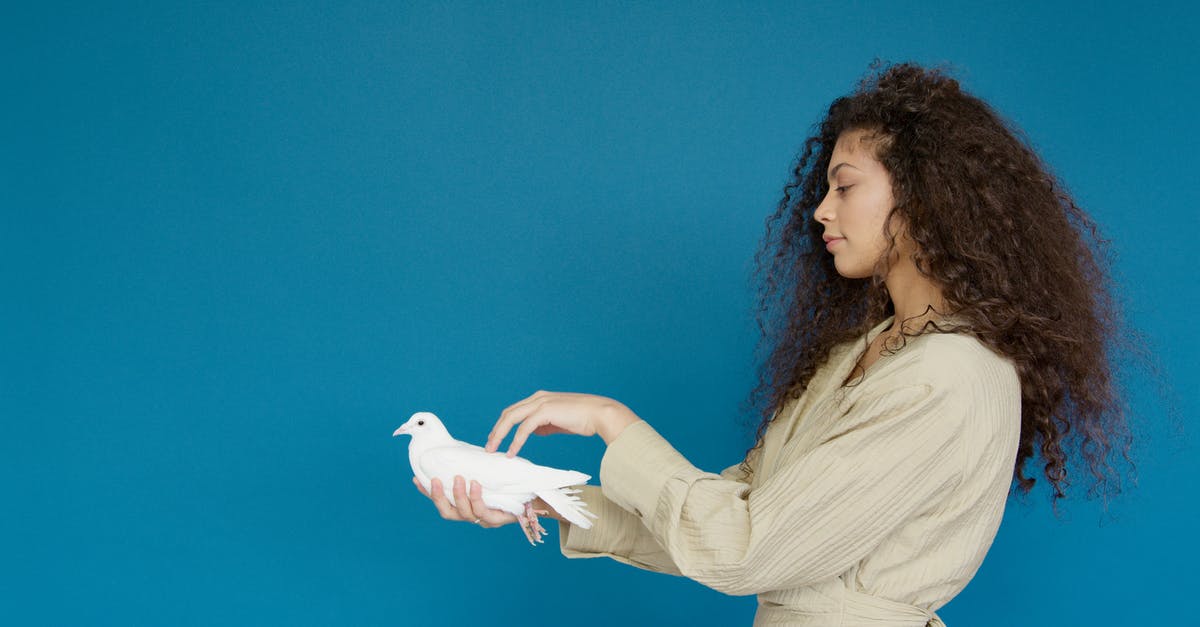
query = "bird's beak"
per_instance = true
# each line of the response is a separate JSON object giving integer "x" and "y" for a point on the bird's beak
{"x": 401, "y": 430}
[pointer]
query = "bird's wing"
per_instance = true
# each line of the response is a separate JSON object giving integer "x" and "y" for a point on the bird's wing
{"x": 495, "y": 471}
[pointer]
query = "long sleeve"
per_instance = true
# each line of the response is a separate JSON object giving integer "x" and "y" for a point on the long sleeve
{"x": 615, "y": 533}
{"x": 885, "y": 461}
{"x": 619, "y": 535}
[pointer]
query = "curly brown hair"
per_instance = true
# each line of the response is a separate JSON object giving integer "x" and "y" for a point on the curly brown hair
{"x": 1018, "y": 262}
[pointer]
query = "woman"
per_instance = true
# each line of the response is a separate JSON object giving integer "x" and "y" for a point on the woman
{"x": 936, "y": 312}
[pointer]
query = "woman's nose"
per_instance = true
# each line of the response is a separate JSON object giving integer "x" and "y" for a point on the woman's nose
{"x": 823, "y": 213}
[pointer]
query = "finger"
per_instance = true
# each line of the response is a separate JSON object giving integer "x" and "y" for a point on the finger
{"x": 505, "y": 422}
{"x": 439, "y": 499}
{"x": 543, "y": 509}
{"x": 461, "y": 502}
{"x": 421, "y": 488}
{"x": 530, "y": 423}
{"x": 490, "y": 517}
{"x": 512, "y": 416}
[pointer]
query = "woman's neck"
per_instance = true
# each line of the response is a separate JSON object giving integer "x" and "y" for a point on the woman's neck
{"x": 913, "y": 295}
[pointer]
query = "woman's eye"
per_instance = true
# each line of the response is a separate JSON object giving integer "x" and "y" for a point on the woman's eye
{"x": 842, "y": 188}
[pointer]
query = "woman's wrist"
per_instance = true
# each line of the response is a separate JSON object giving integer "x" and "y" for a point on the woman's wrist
{"x": 539, "y": 504}
{"x": 616, "y": 418}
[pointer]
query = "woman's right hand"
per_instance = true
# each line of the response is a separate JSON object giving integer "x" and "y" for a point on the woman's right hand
{"x": 470, "y": 507}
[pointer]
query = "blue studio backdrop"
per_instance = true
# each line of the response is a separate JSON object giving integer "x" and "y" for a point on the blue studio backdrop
{"x": 240, "y": 243}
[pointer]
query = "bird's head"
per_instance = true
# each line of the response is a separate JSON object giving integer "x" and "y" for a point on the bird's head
{"x": 421, "y": 423}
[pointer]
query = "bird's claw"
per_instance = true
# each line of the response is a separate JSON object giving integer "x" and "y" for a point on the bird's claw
{"x": 531, "y": 526}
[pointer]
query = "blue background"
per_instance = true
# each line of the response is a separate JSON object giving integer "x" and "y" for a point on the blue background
{"x": 239, "y": 245}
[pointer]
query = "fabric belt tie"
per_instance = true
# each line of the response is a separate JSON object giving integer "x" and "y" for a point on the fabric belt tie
{"x": 857, "y": 610}
{"x": 876, "y": 611}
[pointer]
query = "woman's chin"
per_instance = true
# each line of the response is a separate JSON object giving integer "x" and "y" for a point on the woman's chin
{"x": 851, "y": 272}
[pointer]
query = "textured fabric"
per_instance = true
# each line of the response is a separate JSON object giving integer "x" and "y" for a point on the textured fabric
{"x": 868, "y": 505}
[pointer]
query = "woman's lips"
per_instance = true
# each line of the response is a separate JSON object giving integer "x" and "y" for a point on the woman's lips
{"x": 830, "y": 242}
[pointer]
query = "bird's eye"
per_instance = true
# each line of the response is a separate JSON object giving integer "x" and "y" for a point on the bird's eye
{"x": 420, "y": 423}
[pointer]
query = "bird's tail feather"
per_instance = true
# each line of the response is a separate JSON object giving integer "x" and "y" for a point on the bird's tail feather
{"x": 573, "y": 508}
{"x": 572, "y": 477}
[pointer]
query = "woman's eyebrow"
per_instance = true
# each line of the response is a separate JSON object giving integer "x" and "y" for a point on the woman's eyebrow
{"x": 834, "y": 171}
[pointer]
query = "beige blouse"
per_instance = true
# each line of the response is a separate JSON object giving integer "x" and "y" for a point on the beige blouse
{"x": 869, "y": 505}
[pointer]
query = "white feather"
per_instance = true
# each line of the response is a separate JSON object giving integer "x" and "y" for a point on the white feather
{"x": 508, "y": 482}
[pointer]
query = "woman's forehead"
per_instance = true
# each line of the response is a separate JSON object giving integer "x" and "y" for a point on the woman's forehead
{"x": 855, "y": 148}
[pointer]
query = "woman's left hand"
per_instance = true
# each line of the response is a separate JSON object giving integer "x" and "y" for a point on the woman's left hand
{"x": 545, "y": 413}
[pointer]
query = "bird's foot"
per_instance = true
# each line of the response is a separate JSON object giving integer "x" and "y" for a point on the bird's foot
{"x": 527, "y": 529}
{"x": 535, "y": 526}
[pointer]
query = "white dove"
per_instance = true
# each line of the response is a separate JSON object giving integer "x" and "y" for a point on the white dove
{"x": 509, "y": 483}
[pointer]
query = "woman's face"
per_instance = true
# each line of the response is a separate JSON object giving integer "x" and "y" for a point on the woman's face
{"x": 856, "y": 207}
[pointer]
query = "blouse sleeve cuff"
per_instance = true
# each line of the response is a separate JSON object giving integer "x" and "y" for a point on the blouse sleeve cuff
{"x": 610, "y": 532}
{"x": 637, "y": 466}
